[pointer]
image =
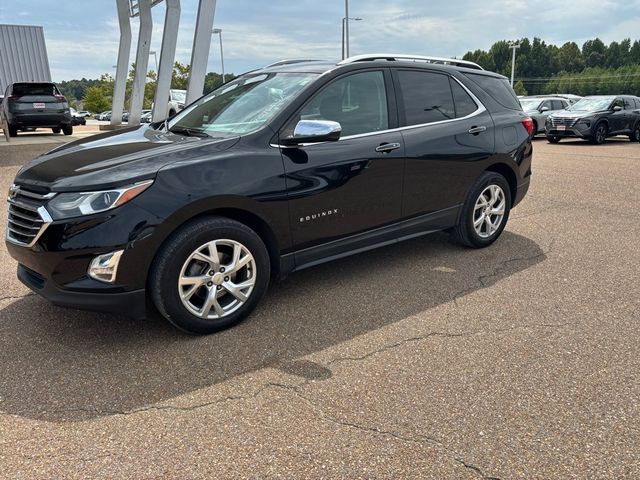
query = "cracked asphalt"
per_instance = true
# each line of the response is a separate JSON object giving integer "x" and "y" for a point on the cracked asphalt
{"x": 419, "y": 360}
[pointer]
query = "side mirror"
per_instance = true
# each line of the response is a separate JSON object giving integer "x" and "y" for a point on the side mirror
{"x": 314, "y": 131}
{"x": 617, "y": 108}
{"x": 544, "y": 109}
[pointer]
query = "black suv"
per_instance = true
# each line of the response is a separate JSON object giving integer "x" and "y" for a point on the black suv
{"x": 278, "y": 170}
{"x": 595, "y": 118}
{"x": 33, "y": 105}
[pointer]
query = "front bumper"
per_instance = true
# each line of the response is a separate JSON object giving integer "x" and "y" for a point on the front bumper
{"x": 579, "y": 130}
{"x": 56, "y": 266}
{"x": 131, "y": 304}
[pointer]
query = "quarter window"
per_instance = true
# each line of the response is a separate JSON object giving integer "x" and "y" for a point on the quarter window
{"x": 358, "y": 102}
{"x": 463, "y": 102}
{"x": 426, "y": 97}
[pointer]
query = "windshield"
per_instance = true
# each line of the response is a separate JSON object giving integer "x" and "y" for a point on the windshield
{"x": 241, "y": 106}
{"x": 178, "y": 95}
{"x": 530, "y": 104}
{"x": 593, "y": 104}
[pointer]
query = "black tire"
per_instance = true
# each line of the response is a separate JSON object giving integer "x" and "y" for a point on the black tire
{"x": 553, "y": 139}
{"x": 56, "y": 129}
{"x": 535, "y": 129}
{"x": 172, "y": 112}
{"x": 67, "y": 129}
{"x": 600, "y": 133}
{"x": 634, "y": 136}
{"x": 465, "y": 232}
{"x": 13, "y": 131}
{"x": 168, "y": 264}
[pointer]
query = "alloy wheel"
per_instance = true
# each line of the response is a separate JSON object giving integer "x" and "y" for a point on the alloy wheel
{"x": 489, "y": 211}
{"x": 217, "y": 279}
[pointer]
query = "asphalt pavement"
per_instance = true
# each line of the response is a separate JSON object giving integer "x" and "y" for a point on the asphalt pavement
{"x": 418, "y": 360}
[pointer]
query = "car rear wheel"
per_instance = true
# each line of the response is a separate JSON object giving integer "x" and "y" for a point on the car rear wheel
{"x": 635, "y": 134}
{"x": 553, "y": 139}
{"x": 56, "y": 129}
{"x": 599, "y": 134}
{"x": 209, "y": 275}
{"x": 67, "y": 129}
{"x": 13, "y": 131}
{"x": 485, "y": 211}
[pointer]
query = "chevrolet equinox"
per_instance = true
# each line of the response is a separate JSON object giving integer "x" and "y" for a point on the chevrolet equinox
{"x": 285, "y": 167}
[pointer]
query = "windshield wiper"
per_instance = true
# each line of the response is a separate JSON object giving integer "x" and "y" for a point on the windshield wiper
{"x": 191, "y": 132}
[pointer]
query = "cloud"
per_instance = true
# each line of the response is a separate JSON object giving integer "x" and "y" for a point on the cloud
{"x": 82, "y": 37}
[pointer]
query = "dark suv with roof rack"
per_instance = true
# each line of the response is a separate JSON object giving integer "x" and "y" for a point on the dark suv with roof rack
{"x": 278, "y": 170}
{"x": 595, "y": 118}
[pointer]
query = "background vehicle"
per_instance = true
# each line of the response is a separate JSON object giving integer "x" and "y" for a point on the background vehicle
{"x": 36, "y": 104}
{"x": 595, "y": 118}
{"x": 104, "y": 116}
{"x": 280, "y": 169}
{"x": 84, "y": 113}
{"x": 146, "y": 116}
{"x": 177, "y": 98}
{"x": 76, "y": 118}
{"x": 539, "y": 108}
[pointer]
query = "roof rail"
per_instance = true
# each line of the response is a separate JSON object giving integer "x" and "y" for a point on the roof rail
{"x": 291, "y": 61}
{"x": 411, "y": 58}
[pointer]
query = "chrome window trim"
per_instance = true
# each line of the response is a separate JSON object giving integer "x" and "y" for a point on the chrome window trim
{"x": 481, "y": 109}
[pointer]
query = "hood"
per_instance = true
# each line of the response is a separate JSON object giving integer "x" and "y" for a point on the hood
{"x": 114, "y": 158}
{"x": 574, "y": 114}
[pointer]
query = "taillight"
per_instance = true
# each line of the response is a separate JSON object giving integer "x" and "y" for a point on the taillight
{"x": 527, "y": 123}
{"x": 60, "y": 98}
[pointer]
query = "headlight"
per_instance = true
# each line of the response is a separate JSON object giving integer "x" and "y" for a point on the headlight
{"x": 68, "y": 205}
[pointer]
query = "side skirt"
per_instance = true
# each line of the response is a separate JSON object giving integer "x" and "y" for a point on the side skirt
{"x": 361, "y": 242}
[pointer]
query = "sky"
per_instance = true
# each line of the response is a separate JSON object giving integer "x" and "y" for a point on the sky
{"x": 82, "y": 35}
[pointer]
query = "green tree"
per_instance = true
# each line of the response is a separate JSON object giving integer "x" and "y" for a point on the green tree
{"x": 519, "y": 88}
{"x": 95, "y": 100}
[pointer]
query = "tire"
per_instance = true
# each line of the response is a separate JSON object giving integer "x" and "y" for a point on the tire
{"x": 175, "y": 263}
{"x": 466, "y": 233}
{"x": 634, "y": 136}
{"x": 599, "y": 134}
{"x": 535, "y": 129}
{"x": 172, "y": 113}
{"x": 67, "y": 129}
{"x": 13, "y": 131}
{"x": 56, "y": 130}
{"x": 553, "y": 139}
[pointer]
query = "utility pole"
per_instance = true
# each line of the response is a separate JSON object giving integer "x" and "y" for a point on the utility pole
{"x": 218, "y": 31}
{"x": 514, "y": 47}
{"x": 357, "y": 19}
{"x": 346, "y": 28}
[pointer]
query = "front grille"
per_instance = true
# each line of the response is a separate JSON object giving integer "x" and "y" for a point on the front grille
{"x": 27, "y": 218}
{"x": 566, "y": 121}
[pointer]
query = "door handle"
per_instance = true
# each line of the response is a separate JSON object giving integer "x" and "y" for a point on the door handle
{"x": 477, "y": 130}
{"x": 387, "y": 147}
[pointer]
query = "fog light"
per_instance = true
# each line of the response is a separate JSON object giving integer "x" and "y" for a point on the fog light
{"x": 105, "y": 267}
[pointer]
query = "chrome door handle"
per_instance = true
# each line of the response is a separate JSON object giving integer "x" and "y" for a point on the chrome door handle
{"x": 477, "y": 130}
{"x": 387, "y": 147}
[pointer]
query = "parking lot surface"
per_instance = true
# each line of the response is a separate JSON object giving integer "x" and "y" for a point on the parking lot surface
{"x": 419, "y": 360}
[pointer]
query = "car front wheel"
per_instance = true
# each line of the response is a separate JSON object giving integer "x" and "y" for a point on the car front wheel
{"x": 209, "y": 275}
{"x": 635, "y": 134}
{"x": 553, "y": 139}
{"x": 67, "y": 130}
{"x": 485, "y": 211}
{"x": 600, "y": 134}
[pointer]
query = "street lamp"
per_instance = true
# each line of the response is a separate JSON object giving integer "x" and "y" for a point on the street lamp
{"x": 345, "y": 35}
{"x": 219, "y": 32}
{"x": 514, "y": 47}
{"x": 155, "y": 57}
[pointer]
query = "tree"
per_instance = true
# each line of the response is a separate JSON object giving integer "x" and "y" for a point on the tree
{"x": 519, "y": 88}
{"x": 95, "y": 100}
{"x": 180, "y": 76}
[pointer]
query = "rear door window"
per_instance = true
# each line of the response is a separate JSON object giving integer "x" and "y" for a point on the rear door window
{"x": 498, "y": 88}
{"x": 426, "y": 97}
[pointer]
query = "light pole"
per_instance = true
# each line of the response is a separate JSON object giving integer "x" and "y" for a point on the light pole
{"x": 219, "y": 32}
{"x": 514, "y": 47}
{"x": 155, "y": 57}
{"x": 345, "y": 29}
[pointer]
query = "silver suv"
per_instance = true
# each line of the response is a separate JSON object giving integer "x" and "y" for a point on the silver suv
{"x": 539, "y": 108}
